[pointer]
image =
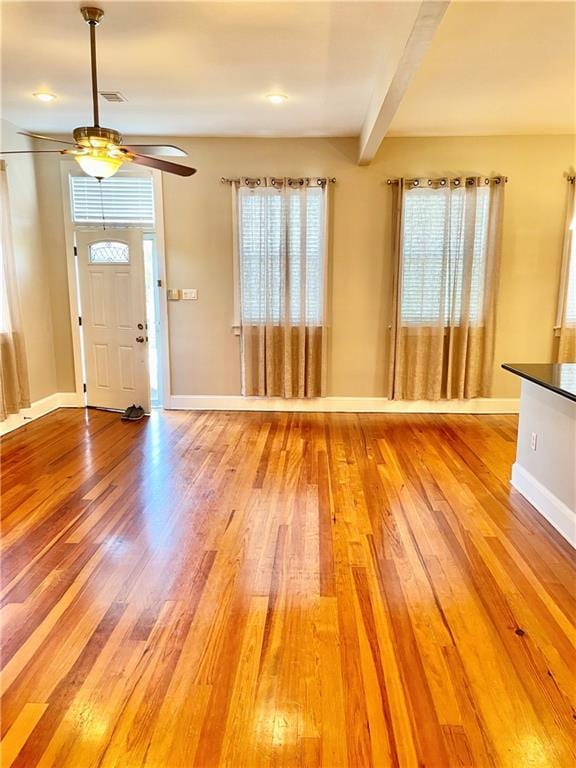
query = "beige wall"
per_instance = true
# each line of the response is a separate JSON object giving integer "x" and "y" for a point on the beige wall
{"x": 49, "y": 187}
{"x": 31, "y": 264}
{"x": 205, "y": 353}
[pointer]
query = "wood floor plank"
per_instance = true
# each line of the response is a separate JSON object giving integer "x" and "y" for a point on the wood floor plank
{"x": 280, "y": 589}
{"x": 20, "y": 732}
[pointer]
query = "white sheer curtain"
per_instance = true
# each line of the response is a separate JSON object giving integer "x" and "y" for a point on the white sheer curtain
{"x": 281, "y": 252}
{"x": 567, "y": 293}
{"x": 14, "y": 388}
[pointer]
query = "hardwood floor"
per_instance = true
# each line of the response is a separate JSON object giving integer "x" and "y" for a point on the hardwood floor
{"x": 224, "y": 589}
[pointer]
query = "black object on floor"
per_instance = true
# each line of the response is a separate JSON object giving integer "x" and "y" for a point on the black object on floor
{"x": 133, "y": 413}
{"x": 128, "y": 411}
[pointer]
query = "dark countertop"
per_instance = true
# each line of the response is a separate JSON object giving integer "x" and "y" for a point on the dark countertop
{"x": 557, "y": 377}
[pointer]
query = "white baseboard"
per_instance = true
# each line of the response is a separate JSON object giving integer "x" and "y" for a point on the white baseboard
{"x": 550, "y": 506}
{"x": 340, "y": 404}
{"x": 41, "y": 408}
{"x": 315, "y": 405}
{"x": 70, "y": 400}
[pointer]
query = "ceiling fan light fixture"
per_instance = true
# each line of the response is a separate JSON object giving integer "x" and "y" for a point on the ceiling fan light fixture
{"x": 100, "y": 163}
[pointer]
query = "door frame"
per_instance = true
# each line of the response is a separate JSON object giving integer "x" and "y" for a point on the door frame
{"x": 66, "y": 168}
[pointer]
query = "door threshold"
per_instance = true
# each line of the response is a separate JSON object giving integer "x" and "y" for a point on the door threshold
{"x": 111, "y": 410}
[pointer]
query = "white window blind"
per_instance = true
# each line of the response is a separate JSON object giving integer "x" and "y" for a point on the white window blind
{"x": 281, "y": 249}
{"x": 122, "y": 200}
{"x": 434, "y": 255}
{"x": 571, "y": 290}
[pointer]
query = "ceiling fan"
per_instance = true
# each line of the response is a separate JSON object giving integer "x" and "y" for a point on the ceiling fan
{"x": 100, "y": 151}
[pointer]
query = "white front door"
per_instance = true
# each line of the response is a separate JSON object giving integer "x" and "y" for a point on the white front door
{"x": 113, "y": 299}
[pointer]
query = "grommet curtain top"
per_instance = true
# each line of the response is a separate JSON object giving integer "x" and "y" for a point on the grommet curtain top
{"x": 448, "y": 181}
{"x": 279, "y": 182}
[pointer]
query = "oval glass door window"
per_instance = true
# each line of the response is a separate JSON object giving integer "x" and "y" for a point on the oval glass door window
{"x": 109, "y": 252}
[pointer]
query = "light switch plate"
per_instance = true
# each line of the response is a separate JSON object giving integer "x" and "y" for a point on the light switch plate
{"x": 173, "y": 294}
{"x": 189, "y": 294}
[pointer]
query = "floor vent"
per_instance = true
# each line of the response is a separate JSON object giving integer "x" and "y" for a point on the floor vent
{"x": 114, "y": 96}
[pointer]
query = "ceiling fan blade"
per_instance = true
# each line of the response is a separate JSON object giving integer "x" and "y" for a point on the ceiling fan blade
{"x": 44, "y": 138}
{"x": 163, "y": 165}
{"x": 168, "y": 150}
{"x": 31, "y": 151}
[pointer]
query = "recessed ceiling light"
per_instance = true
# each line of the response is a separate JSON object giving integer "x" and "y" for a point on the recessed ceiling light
{"x": 44, "y": 96}
{"x": 276, "y": 98}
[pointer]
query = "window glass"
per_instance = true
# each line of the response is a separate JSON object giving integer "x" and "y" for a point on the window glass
{"x": 121, "y": 200}
{"x": 433, "y": 255}
{"x": 109, "y": 252}
{"x": 571, "y": 290}
{"x": 281, "y": 244}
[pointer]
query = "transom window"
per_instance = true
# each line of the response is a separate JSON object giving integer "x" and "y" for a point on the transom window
{"x": 122, "y": 200}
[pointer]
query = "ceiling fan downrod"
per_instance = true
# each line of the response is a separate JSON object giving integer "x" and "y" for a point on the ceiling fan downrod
{"x": 92, "y": 17}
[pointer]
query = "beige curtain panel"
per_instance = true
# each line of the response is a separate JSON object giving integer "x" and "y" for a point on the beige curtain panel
{"x": 281, "y": 247}
{"x": 567, "y": 293}
{"x": 447, "y": 239}
{"x": 14, "y": 389}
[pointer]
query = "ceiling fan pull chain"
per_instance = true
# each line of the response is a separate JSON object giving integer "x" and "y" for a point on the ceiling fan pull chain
{"x": 102, "y": 205}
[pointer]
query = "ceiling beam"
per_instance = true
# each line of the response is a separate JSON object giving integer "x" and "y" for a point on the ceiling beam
{"x": 390, "y": 91}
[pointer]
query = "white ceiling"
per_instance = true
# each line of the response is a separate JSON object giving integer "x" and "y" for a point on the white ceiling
{"x": 495, "y": 68}
{"x": 202, "y": 68}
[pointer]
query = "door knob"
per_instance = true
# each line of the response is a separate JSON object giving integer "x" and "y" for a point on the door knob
{"x": 140, "y": 339}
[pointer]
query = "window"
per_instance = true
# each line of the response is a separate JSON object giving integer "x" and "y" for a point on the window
{"x": 152, "y": 317}
{"x": 571, "y": 287}
{"x": 122, "y": 200}
{"x": 568, "y": 377}
{"x": 434, "y": 255}
{"x": 106, "y": 252}
{"x": 281, "y": 252}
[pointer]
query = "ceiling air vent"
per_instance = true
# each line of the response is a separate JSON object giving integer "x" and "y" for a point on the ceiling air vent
{"x": 113, "y": 96}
